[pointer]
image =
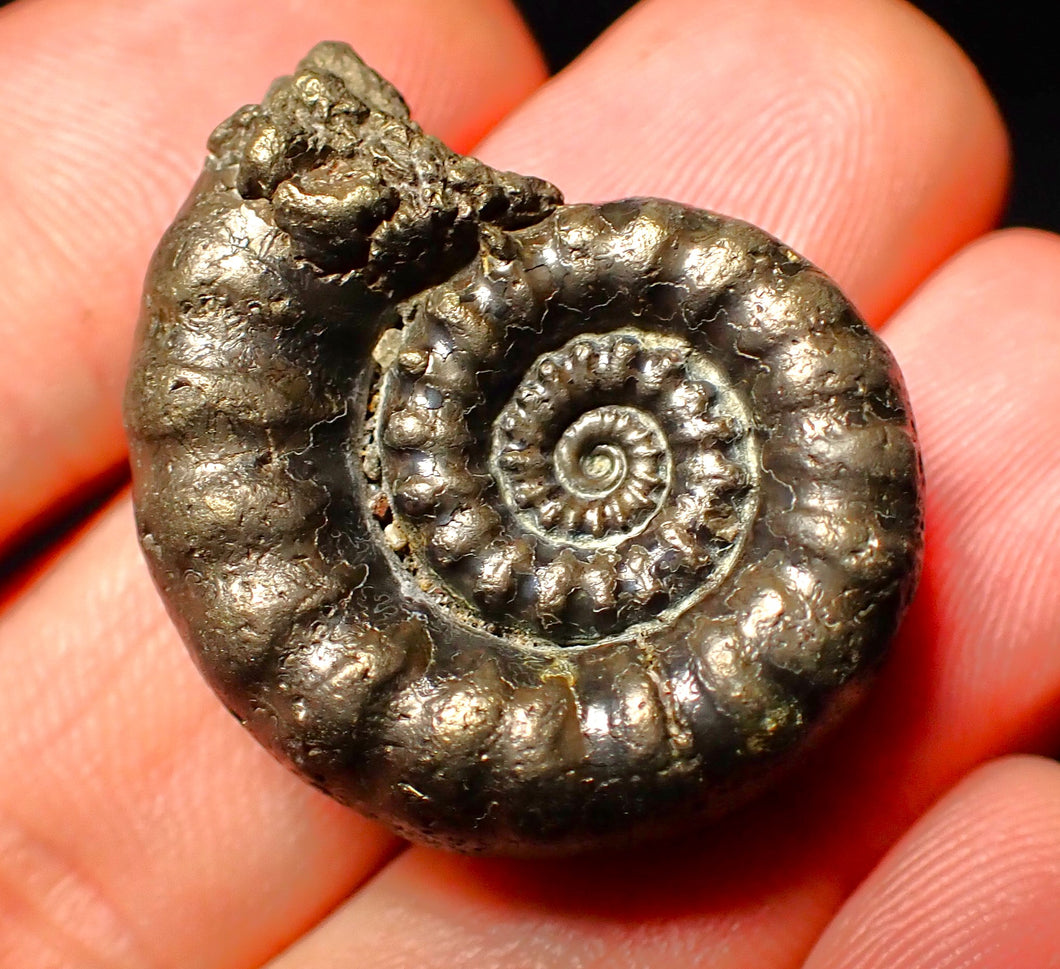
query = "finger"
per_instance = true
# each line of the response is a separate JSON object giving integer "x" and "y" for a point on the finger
{"x": 980, "y": 348}
{"x": 974, "y": 883}
{"x": 975, "y": 673}
{"x": 858, "y": 133}
{"x": 139, "y": 824}
{"x": 105, "y": 109}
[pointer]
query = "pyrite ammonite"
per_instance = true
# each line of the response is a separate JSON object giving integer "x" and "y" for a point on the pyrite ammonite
{"x": 523, "y": 527}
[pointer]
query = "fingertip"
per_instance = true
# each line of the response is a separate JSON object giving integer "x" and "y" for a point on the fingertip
{"x": 974, "y": 882}
{"x": 1013, "y": 265}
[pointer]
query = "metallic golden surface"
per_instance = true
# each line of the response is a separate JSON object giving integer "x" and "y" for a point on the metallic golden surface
{"x": 523, "y": 527}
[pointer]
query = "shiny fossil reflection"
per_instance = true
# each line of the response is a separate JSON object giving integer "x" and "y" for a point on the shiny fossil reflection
{"x": 523, "y": 527}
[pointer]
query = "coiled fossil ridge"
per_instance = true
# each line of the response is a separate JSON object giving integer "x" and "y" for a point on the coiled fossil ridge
{"x": 523, "y": 527}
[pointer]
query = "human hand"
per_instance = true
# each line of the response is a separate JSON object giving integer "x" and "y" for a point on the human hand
{"x": 141, "y": 827}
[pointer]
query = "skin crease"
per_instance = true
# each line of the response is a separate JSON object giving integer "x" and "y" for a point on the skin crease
{"x": 119, "y": 754}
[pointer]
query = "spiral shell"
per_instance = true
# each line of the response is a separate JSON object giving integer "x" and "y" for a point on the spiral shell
{"x": 523, "y": 527}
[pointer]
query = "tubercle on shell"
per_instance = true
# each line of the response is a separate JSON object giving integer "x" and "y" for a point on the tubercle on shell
{"x": 525, "y": 528}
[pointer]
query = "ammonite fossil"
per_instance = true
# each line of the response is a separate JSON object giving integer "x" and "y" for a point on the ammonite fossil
{"x": 523, "y": 527}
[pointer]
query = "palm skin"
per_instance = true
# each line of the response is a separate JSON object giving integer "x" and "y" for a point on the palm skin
{"x": 139, "y": 825}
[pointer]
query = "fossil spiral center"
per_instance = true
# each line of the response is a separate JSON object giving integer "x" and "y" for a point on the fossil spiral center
{"x": 595, "y": 474}
{"x": 604, "y": 464}
{"x": 610, "y": 470}
{"x": 613, "y": 483}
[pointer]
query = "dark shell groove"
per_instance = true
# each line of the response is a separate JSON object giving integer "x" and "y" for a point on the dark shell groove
{"x": 523, "y": 527}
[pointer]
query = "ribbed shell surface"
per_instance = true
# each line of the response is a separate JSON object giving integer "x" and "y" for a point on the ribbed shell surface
{"x": 523, "y": 527}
